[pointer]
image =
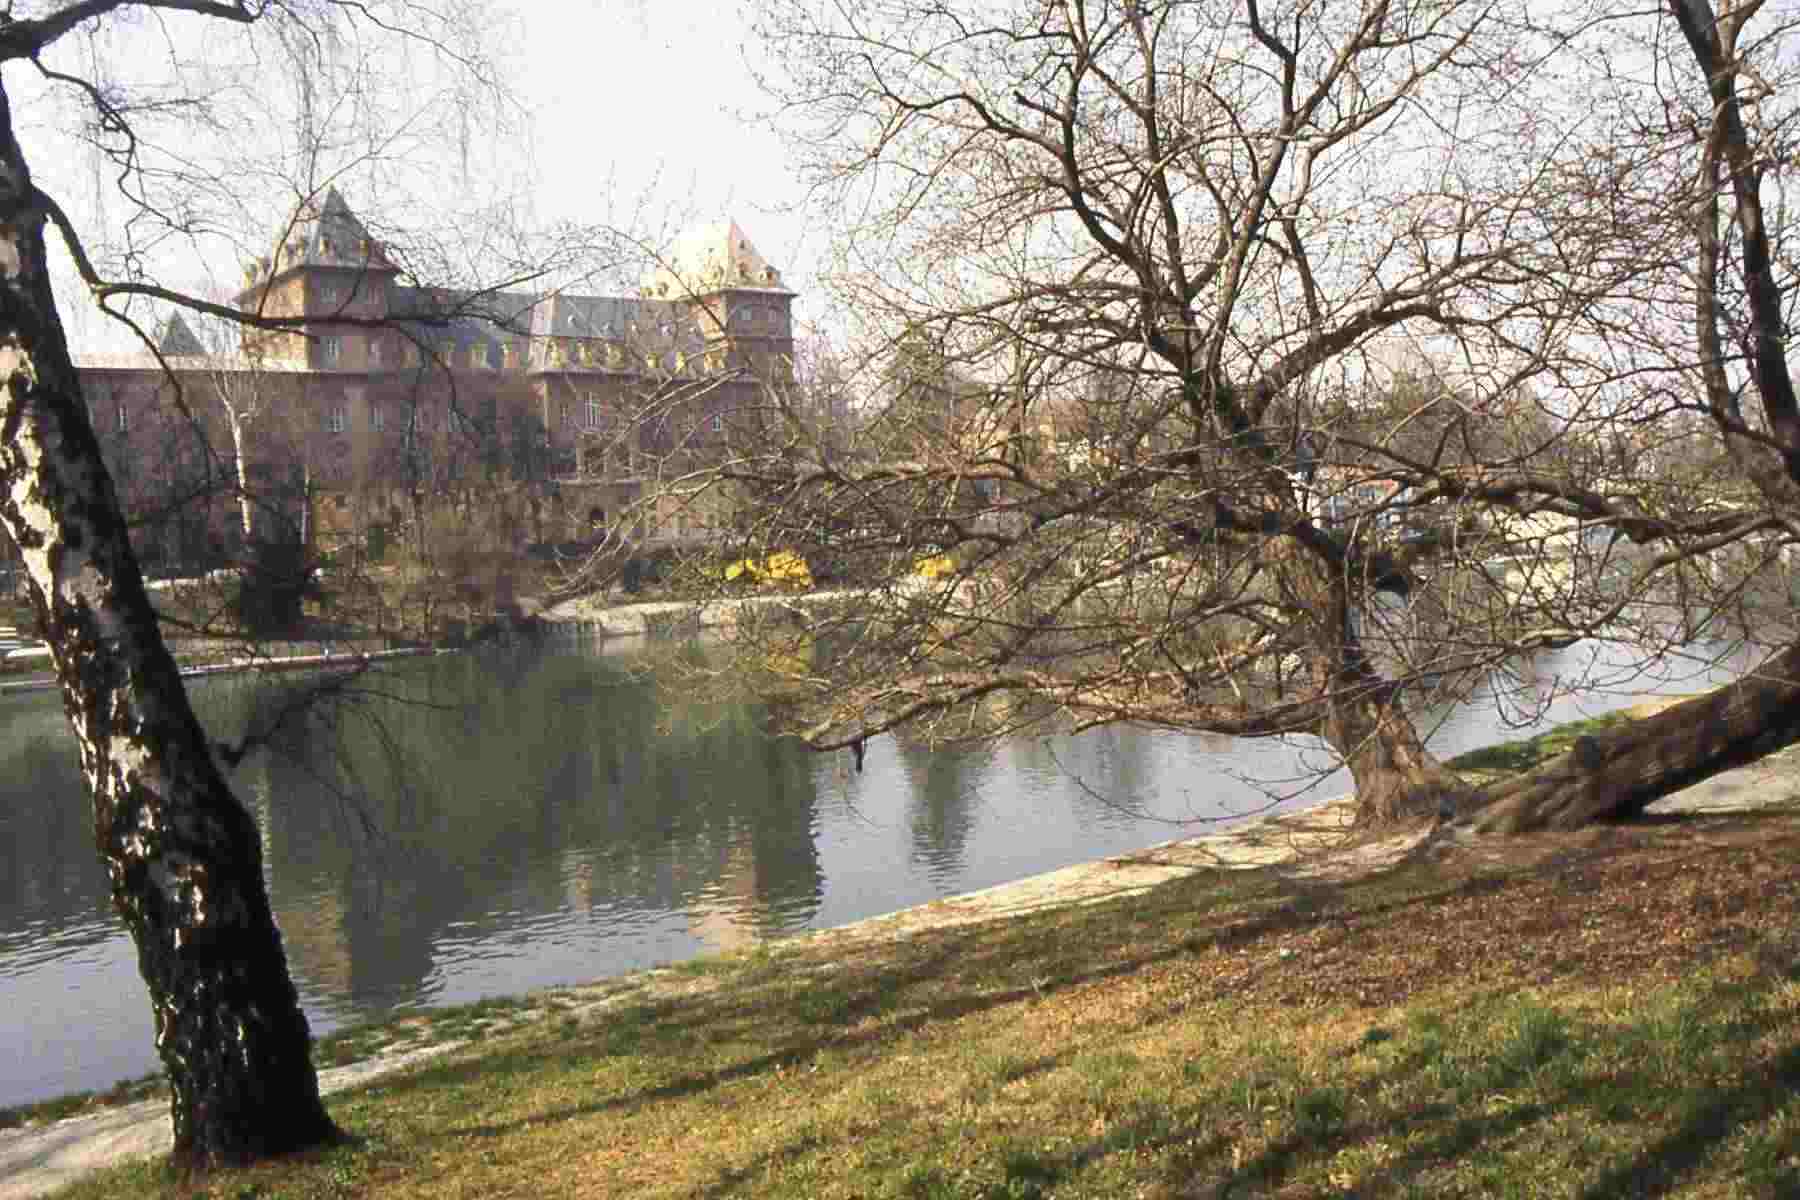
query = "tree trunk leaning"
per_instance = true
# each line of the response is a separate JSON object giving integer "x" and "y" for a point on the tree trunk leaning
{"x": 184, "y": 857}
{"x": 1616, "y": 774}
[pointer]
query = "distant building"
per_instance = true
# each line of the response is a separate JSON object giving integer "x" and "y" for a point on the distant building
{"x": 386, "y": 391}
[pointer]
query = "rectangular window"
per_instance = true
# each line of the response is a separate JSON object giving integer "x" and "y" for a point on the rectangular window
{"x": 377, "y": 418}
{"x": 375, "y": 351}
{"x": 718, "y": 423}
{"x": 337, "y": 420}
{"x": 331, "y": 350}
{"x": 124, "y": 416}
{"x": 593, "y": 412}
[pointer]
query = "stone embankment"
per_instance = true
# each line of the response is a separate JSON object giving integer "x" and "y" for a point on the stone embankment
{"x": 327, "y": 660}
{"x": 676, "y": 616}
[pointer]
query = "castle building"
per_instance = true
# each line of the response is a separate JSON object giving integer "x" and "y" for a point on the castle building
{"x": 383, "y": 391}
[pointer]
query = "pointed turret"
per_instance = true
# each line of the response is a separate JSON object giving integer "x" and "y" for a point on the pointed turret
{"x": 322, "y": 233}
{"x": 711, "y": 259}
{"x": 325, "y": 265}
{"x": 175, "y": 340}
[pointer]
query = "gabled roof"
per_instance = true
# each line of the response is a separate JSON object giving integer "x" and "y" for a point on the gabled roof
{"x": 711, "y": 259}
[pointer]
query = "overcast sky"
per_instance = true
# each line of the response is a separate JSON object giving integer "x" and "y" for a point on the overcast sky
{"x": 660, "y": 93}
{"x": 630, "y": 102}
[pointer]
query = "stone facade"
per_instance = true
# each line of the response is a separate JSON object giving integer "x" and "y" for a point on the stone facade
{"x": 566, "y": 405}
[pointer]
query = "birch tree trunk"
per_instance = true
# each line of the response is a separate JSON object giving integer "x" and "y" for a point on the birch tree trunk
{"x": 240, "y": 449}
{"x": 183, "y": 855}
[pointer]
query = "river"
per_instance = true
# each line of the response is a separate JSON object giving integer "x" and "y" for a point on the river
{"x": 527, "y": 816}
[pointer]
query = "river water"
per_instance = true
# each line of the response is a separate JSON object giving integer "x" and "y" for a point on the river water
{"x": 522, "y": 817}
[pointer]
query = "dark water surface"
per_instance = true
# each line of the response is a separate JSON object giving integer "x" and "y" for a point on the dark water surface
{"x": 526, "y": 817}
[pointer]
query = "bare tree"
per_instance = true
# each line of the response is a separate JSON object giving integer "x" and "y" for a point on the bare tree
{"x": 184, "y": 854}
{"x": 1138, "y": 291}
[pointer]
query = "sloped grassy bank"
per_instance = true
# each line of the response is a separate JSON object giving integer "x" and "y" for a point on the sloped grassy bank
{"x": 1611, "y": 1013}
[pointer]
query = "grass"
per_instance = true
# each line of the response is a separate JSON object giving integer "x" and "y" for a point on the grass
{"x": 1614, "y": 1013}
{"x": 341, "y": 1047}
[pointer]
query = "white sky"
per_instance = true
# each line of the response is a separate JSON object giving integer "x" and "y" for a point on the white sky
{"x": 632, "y": 102}
{"x": 659, "y": 94}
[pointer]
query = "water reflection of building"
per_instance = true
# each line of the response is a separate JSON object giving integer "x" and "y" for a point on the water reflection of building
{"x": 535, "y": 798}
{"x": 726, "y": 916}
{"x": 941, "y": 813}
{"x": 50, "y": 877}
{"x": 511, "y": 800}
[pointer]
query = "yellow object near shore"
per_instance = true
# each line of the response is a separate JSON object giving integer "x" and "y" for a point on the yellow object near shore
{"x": 782, "y": 567}
{"x": 935, "y": 567}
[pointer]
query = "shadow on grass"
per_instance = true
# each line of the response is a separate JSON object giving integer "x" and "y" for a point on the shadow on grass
{"x": 1709, "y": 1119}
{"x": 935, "y": 979}
{"x": 1524, "y": 1111}
{"x": 1454, "y": 1099}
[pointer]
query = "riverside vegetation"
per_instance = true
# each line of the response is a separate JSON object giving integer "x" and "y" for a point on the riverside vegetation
{"x": 1612, "y": 1012}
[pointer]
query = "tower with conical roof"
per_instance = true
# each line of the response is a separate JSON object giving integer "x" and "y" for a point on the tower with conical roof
{"x": 325, "y": 264}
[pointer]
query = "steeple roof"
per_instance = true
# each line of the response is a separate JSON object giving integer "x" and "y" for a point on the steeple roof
{"x": 322, "y": 233}
{"x": 175, "y": 339}
{"x": 709, "y": 259}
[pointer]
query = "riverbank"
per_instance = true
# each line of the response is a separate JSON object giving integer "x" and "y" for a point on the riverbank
{"x": 1580, "y": 1014}
{"x": 328, "y": 659}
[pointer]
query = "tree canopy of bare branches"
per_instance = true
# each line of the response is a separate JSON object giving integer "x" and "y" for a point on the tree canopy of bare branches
{"x": 1258, "y": 368}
